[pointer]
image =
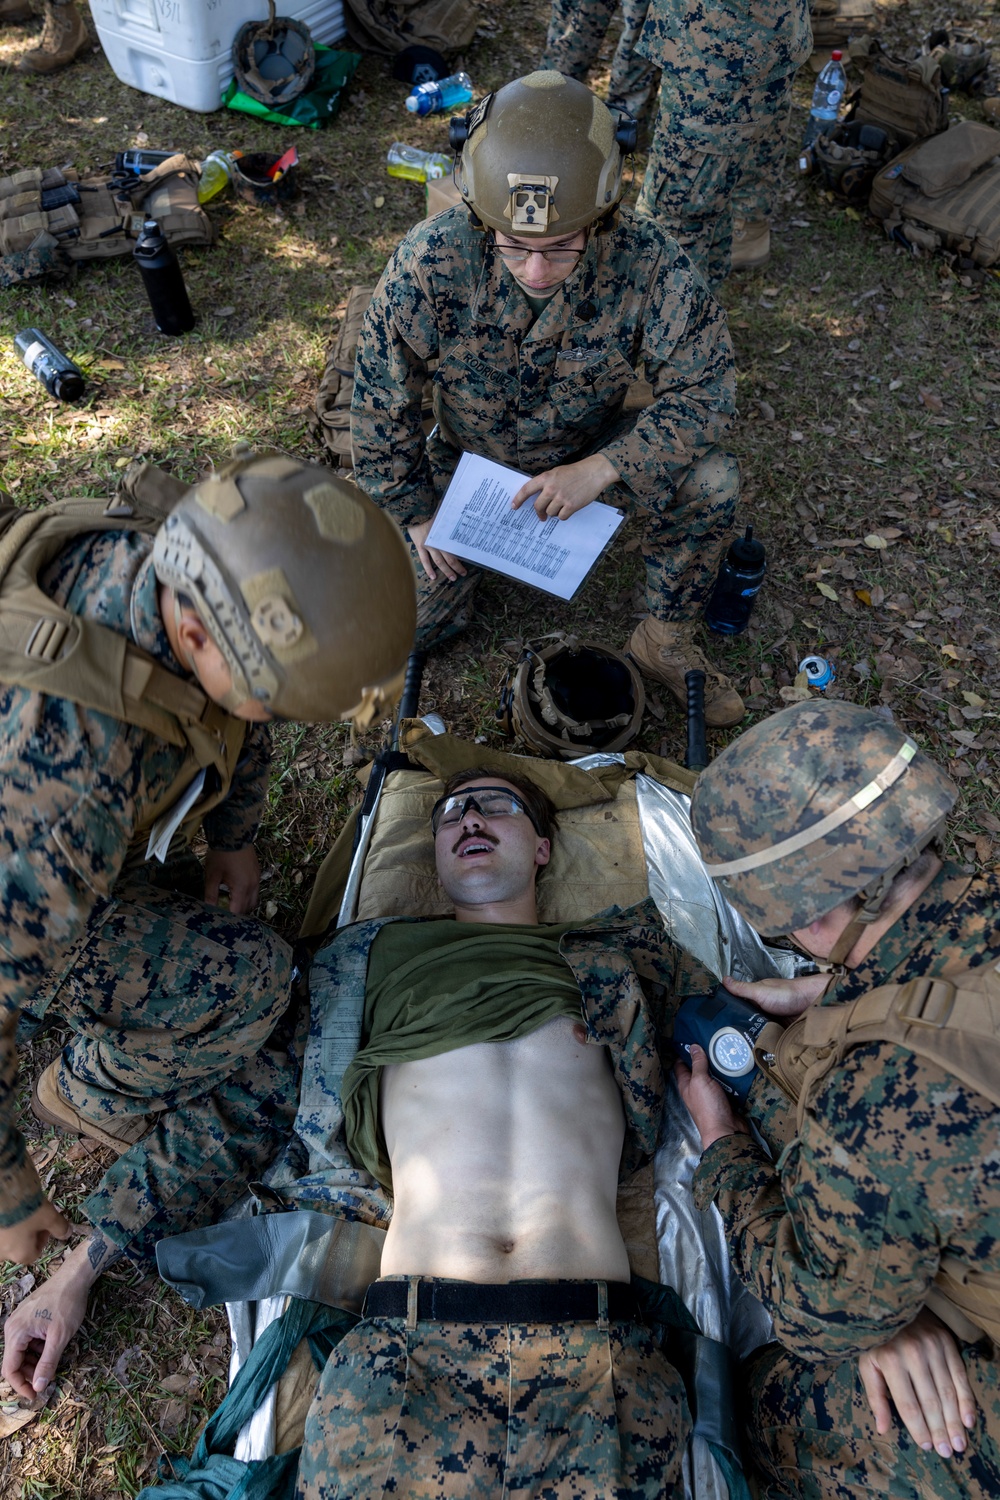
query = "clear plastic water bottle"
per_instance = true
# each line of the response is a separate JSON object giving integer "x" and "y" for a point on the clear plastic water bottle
{"x": 443, "y": 93}
{"x": 740, "y": 576}
{"x": 216, "y": 170}
{"x": 831, "y": 86}
{"x": 416, "y": 165}
{"x": 50, "y": 366}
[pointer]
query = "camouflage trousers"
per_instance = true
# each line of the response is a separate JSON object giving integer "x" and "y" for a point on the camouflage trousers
{"x": 576, "y": 30}
{"x": 813, "y": 1437}
{"x": 681, "y": 548}
{"x": 468, "y": 1411}
{"x": 175, "y": 1006}
{"x": 693, "y": 193}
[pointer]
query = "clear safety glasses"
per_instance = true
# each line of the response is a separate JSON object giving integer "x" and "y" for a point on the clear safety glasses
{"x": 489, "y": 801}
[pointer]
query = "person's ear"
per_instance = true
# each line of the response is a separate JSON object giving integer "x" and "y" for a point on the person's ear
{"x": 543, "y": 851}
{"x": 192, "y": 636}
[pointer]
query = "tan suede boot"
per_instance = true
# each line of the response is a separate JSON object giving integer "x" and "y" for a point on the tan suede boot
{"x": 64, "y": 37}
{"x": 15, "y": 10}
{"x": 751, "y": 245}
{"x": 50, "y": 1105}
{"x": 665, "y": 650}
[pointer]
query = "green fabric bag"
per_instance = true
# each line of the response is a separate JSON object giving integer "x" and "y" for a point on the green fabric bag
{"x": 334, "y": 71}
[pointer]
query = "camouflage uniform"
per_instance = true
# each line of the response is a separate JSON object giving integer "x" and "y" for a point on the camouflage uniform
{"x": 627, "y": 1427}
{"x": 536, "y": 393}
{"x": 896, "y": 1166}
{"x": 167, "y": 995}
{"x": 576, "y": 31}
{"x": 725, "y": 96}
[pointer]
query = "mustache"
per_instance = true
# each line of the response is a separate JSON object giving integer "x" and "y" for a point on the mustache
{"x": 476, "y": 838}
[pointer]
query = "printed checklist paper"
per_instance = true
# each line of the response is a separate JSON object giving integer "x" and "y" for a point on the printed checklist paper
{"x": 475, "y": 522}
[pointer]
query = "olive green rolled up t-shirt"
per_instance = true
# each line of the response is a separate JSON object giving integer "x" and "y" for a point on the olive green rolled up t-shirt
{"x": 435, "y": 986}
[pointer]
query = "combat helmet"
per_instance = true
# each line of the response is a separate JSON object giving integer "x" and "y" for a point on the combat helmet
{"x": 305, "y": 586}
{"x": 274, "y": 60}
{"x": 572, "y": 697}
{"x": 543, "y": 155}
{"x": 818, "y": 803}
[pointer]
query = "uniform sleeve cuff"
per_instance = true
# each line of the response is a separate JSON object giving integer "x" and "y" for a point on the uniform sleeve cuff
{"x": 731, "y": 1163}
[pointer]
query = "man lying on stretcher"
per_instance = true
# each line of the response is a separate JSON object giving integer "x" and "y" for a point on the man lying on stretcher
{"x": 507, "y": 1070}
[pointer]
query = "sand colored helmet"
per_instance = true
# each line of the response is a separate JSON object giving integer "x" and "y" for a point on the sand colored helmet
{"x": 568, "y": 697}
{"x": 303, "y": 583}
{"x": 542, "y": 155}
{"x": 274, "y": 60}
{"x": 821, "y": 802}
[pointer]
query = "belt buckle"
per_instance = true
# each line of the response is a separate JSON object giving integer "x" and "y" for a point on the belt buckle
{"x": 927, "y": 1002}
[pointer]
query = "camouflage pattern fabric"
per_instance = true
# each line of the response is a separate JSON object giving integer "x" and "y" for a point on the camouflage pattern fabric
{"x": 576, "y": 30}
{"x": 725, "y": 89}
{"x": 755, "y": 197}
{"x": 681, "y": 549}
{"x": 75, "y": 783}
{"x": 568, "y": 1411}
{"x": 813, "y": 1437}
{"x": 534, "y": 394}
{"x": 627, "y": 969}
{"x": 37, "y": 260}
{"x": 894, "y": 1168}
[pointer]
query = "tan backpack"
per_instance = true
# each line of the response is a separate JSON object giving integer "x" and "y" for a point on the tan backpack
{"x": 944, "y": 194}
{"x": 904, "y": 97}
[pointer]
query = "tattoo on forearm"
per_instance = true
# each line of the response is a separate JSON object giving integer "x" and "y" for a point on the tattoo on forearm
{"x": 43, "y": 1315}
{"x": 101, "y": 1253}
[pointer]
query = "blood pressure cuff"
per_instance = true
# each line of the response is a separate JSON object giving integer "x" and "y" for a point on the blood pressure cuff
{"x": 300, "y": 1253}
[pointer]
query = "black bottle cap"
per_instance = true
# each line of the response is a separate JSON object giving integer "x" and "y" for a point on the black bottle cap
{"x": 746, "y": 551}
{"x": 68, "y": 385}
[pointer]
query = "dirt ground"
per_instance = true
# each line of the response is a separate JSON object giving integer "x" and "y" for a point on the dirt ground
{"x": 869, "y": 406}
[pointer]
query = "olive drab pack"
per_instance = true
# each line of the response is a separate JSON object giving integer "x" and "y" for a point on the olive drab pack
{"x": 944, "y": 194}
{"x": 49, "y": 219}
{"x": 953, "y": 1023}
{"x": 904, "y": 97}
{"x": 387, "y": 26}
{"x": 849, "y": 157}
{"x": 46, "y": 649}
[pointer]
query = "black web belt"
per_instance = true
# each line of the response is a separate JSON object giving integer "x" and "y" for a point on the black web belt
{"x": 421, "y": 1300}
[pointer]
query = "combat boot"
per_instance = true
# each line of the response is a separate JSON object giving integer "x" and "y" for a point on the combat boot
{"x": 50, "y": 1105}
{"x": 64, "y": 37}
{"x": 665, "y": 650}
{"x": 751, "y": 245}
{"x": 15, "y": 10}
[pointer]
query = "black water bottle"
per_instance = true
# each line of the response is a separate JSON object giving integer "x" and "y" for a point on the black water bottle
{"x": 740, "y": 576}
{"x": 164, "y": 283}
{"x": 49, "y": 365}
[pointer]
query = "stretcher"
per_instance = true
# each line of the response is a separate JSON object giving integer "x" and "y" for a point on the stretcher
{"x": 624, "y": 835}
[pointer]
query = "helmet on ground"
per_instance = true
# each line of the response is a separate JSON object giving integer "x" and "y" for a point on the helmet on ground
{"x": 543, "y": 155}
{"x": 274, "y": 60}
{"x": 572, "y": 698}
{"x": 816, "y": 804}
{"x": 305, "y": 586}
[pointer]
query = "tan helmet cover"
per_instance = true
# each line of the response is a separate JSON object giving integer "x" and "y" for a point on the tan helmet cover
{"x": 305, "y": 586}
{"x": 572, "y": 697}
{"x": 818, "y": 803}
{"x": 541, "y": 157}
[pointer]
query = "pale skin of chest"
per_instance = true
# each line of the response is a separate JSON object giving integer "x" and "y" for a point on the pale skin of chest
{"x": 505, "y": 1161}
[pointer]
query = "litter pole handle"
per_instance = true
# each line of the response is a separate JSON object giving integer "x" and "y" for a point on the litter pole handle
{"x": 410, "y": 701}
{"x": 696, "y": 758}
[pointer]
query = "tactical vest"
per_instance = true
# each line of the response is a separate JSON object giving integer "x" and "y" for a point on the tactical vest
{"x": 46, "y": 649}
{"x": 954, "y": 1024}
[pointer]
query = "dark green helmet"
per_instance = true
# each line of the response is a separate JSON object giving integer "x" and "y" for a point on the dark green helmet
{"x": 305, "y": 586}
{"x": 821, "y": 802}
{"x": 541, "y": 156}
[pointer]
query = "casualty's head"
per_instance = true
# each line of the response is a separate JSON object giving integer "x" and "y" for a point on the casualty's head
{"x": 541, "y": 168}
{"x": 294, "y": 595}
{"x": 819, "y": 805}
{"x": 492, "y": 834}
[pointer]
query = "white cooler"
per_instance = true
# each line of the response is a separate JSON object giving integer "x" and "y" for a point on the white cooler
{"x": 182, "y": 49}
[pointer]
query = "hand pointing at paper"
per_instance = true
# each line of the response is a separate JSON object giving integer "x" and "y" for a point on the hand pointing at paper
{"x": 560, "y": 492}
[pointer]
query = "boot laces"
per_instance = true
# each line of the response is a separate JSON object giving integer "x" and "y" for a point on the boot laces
{"x": 53, "y": 29}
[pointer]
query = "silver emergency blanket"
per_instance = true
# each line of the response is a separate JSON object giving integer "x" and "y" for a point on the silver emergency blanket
{"x": 693, "y": 1258}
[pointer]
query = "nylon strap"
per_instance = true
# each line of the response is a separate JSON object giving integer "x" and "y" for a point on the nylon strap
{"x": 811, "y": 835}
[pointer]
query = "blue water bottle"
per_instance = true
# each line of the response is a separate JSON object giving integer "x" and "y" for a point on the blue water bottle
{"x": 740, "y": 576}
{"x": 442, "y": 93}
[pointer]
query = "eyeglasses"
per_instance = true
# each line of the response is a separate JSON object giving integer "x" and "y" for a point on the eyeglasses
{"x": 516, "y": 255}
{"x": 489, "y": 802}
